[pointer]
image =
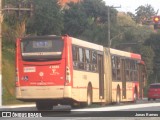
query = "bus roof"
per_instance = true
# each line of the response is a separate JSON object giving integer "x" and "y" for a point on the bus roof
{"x": 86, "y": 44}
{"x": 90, "y": 45}
{"x": 125, "y": 54}
{"x": 82, "y": 43}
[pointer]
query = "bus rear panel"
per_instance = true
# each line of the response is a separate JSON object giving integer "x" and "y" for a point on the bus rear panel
{"x": 41, "y": 68}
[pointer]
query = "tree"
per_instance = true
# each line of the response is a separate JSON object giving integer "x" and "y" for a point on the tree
{"x": 153, "y": 42}
{"x": 47, "y": 18}
{"x": 144, "y": 13}
{"x": 14, "y": 25}
{"x": 75, "y": 20}
{"x": 148, "y": 56}
{"x": 129, "y": 33}
{"x": 97, "y": 10}
{"x": 88, "y": 20}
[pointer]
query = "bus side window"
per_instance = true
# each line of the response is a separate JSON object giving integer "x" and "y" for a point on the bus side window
{"x": 136, "y": 72}
{"x": 75, "y": 56}
{"x": 94, "y": 57}
{"x": 127, "y": 71}
{"x": 94, "y": 61}
{"x": 81, "y": 59}
{"x": 114, "y": 74}
{"x": 114, "y": 71}
{"x": 87, "y": 54}
{"x": 118, "y": 68}
{"x": 87, "y": 60}
{"x": 80, "y": 55}
{"x": 118, "y": 62}
{"x": 113, "y": 62}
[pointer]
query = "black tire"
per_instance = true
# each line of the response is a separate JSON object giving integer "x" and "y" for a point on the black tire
{"x": 149, "y": 99}
{"x": 118, "y": 97}
{"x": 89, "y": 96}
{"x": 154, "y": 99}
{"x": 44, "y": 105}
{"x": 135, "y": 97}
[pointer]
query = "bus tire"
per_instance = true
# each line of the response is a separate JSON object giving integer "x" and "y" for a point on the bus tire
{"x": 135, "y": 96}
{"x": 89, "y": 98}
{"x": 89, "y": 95}
{"x": 118, "y": 96}
{"x": 44, "y": 105}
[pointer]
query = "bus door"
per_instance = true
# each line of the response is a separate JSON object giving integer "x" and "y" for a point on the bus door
{"x": 123, "y": 78}
{"x": 141, "y": 78}
{"x": 101, "y": 76}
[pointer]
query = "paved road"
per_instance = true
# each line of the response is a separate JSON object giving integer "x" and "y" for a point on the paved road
{"x": 112, "y": 112}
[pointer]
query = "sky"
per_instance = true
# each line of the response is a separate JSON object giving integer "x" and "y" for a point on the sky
{"x": 131, "y": 5}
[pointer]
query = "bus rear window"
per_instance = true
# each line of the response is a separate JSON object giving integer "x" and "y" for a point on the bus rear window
{"x": 41, "y": 49}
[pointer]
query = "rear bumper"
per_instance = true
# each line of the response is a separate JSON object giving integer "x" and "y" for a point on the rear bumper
{"x": 42, "y": 92}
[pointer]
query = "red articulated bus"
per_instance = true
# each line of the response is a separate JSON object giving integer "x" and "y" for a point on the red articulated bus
{"x": 53, "y": 70}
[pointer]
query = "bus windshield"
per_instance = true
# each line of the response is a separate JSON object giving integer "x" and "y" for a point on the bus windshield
{"x": 41, "y": 49}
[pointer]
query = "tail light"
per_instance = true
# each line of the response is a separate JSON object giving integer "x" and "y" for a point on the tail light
{"x": 68, "y": 75}
{"x": 17, "y": 78}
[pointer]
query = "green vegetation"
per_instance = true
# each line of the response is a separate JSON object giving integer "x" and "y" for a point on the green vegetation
{"x": 8, "y": 72}
{"x": 86, "y": 20}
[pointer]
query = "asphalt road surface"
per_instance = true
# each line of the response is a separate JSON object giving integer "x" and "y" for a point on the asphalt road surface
{"x": 141, "y": 110}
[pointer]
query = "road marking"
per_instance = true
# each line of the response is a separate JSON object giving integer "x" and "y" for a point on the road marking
{"x": 17, "y": 106}
{"x": 116, "y": 108}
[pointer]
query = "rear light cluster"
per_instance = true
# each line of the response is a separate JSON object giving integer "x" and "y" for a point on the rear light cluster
{"x": 68, "y": 76}
{"x": 17, "y": 79}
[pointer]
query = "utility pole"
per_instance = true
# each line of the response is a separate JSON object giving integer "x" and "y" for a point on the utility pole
{"x": 109, "y": 25}
{"x": 109, "y": 28}
{"x": 19, "y": 9}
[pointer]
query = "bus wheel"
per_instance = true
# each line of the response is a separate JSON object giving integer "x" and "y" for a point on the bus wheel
{"x": 118, "y": 97}
{"x": 89, "y": 95}
{"x": 44, "y": 105}
{"x": 135, "y": 97}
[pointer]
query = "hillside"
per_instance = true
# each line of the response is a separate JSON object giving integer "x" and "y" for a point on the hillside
{"x": 8, "y": 73}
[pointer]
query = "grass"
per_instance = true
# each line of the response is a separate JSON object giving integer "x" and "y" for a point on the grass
{"x": 8, "y": 74}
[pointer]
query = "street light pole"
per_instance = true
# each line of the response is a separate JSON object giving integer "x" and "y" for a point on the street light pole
{"x": 109, "y": 33}
{"x": 109, "y": 25}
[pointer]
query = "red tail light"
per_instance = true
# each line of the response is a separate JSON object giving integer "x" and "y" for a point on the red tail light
{"x": 17, "y": 79}
{"x": 68, "y": 75}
